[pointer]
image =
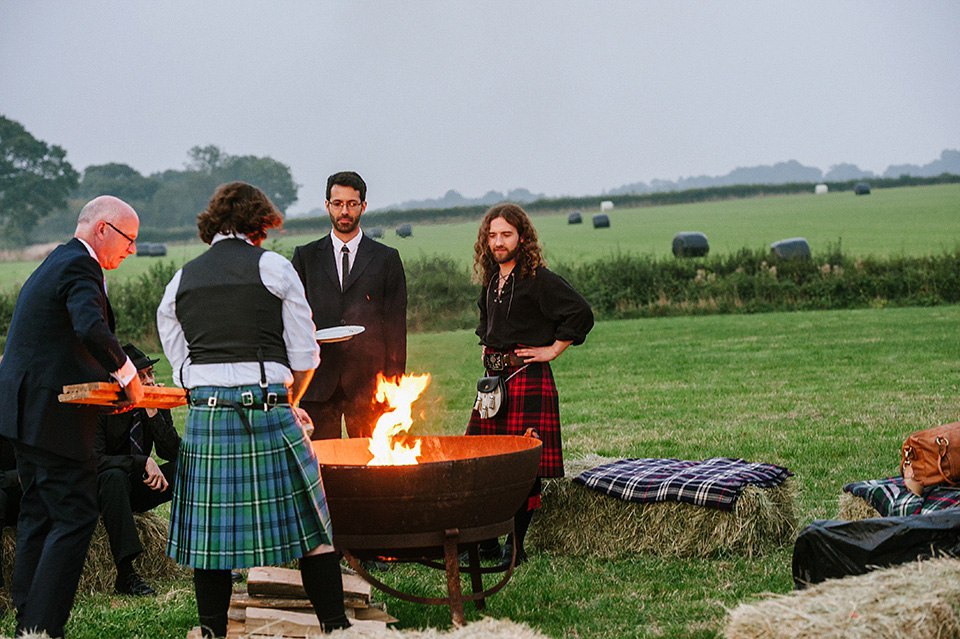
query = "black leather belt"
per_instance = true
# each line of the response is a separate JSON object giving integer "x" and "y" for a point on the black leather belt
{"x": 246, "y": 402}
{"x": 499, "y": 361}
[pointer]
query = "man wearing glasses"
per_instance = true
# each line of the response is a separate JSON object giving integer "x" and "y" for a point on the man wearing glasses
{"x": 351, "y": 279}
{"x": 62, "y": 333}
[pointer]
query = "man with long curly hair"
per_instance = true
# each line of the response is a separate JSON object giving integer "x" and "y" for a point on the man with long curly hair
{"x": 237, "y": 329}
{"x": 528, "y": 316}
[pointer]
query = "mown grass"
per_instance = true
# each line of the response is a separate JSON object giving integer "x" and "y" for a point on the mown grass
{"x": 828, "y": 394}
{"x": 920, "y": 220}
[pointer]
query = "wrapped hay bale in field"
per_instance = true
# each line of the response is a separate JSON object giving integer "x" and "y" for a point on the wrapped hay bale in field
{"x": 577, "y": 520}
{"x": 99, "y": 571}
{"x": 918, "y": 600}
{"x": 853, "y": 508}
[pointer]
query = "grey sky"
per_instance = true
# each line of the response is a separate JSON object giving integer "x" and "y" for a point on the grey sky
{"x": 563, "y": 98}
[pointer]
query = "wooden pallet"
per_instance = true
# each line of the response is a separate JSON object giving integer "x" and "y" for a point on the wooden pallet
{"x": 109, "y": 393}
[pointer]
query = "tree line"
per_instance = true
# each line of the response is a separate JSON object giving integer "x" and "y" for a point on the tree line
{"x": 38, "y": 187}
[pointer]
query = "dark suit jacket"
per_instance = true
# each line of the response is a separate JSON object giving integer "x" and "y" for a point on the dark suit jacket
{"x": 61, "y": 333}
{"x": 113, "y": 440}
{"x": 375, "y": 298}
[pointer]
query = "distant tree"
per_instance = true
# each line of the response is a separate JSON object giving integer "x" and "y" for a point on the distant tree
{"x": 268, "y": 175}
{"x": 35, "y": 179}
{"x": 120, "y": 180}
{"x": 206, "y": 159}
{"x": 845, "y": 171}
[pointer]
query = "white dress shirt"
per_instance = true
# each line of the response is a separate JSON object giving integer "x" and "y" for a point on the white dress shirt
{"x": 338, "y": 245}
{"x": 303, "y": 353}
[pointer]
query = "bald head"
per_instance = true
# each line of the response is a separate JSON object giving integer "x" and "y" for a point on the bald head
{"x": 109, "y": 225}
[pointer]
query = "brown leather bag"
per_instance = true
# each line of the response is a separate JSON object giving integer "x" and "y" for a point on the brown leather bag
{"x": 930, "y": 457}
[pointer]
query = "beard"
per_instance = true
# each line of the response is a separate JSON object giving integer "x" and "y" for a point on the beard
{"x": 503, "y": 258}
{"x": 344, "y": 224}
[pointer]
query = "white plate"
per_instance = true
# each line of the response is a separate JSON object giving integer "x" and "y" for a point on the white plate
{"x": 337, "y": 333}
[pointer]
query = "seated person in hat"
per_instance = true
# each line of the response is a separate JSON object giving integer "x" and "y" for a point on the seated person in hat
{"x": 130, "y": 480}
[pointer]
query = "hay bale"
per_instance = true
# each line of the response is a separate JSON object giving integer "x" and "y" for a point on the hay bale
{"x": 853, "y": 508}
{"x": 919, "y": 600}
{"x": 486, "y": 628}
{"x": 578, "y": 520}
{"x": 99, "y": 572}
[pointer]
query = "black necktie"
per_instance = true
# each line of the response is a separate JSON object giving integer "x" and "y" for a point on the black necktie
{"x": 136, "y": 433}
{"x": 345, "y": 264}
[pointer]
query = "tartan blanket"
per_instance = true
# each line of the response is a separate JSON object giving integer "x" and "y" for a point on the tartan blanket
{"x": 892, "y": 499}
{"x": 714, "y": 482}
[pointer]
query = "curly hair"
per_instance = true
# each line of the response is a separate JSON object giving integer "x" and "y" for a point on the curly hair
{"x": 530, "y": 255}
{"x": 237, "y": 207}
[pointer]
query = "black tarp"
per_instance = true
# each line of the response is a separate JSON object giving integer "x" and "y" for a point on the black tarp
{"x": 827, "y": 549}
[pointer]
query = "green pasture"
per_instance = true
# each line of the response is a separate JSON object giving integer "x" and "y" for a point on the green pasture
{"x": 830, "y": 395}
{"x": 922, "y": 220}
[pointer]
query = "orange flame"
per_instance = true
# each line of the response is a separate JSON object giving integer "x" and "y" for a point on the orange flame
{"x": 399, "y": 397}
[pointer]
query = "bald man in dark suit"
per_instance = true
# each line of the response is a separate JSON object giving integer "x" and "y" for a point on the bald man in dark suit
{"x": 62, "y": 333}
{"x": 372, "y": 293}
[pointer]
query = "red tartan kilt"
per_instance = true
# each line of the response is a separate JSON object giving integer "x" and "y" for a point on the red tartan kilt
{"x": 531, "y": 403}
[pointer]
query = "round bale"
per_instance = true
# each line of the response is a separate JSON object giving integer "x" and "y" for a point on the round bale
{"x": 690, "y": 244}
{"x": 793, "y": 248}
{"x": 601, "y": 221}
{"x": 405, "y": 230}
{"x": 575, "y": 218}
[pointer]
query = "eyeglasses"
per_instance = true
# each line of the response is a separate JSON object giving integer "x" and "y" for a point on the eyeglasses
{"x": 132, "y": 240}
{"x": 353, "y": 205}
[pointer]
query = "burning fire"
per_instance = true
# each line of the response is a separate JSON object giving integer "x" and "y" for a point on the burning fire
{"x": 399, "y": 397}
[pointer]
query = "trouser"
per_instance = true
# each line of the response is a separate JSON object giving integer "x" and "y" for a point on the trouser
{"x": 58, "y": 514}
{"x": 359, "y": 414}
{"x": 121, "y": 494}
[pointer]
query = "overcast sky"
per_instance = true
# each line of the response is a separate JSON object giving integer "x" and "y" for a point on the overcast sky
{"x": 562, "y": 98}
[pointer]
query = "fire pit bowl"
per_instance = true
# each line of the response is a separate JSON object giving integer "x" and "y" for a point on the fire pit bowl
{"x": 463, "y": 490}
{"x": 461, "y": 482}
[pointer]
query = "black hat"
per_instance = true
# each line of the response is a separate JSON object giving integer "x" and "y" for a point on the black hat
{"x": 138, "y": 357}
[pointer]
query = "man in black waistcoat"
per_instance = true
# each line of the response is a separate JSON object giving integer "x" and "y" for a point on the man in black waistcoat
{"x": 351, "y": 279}
{"x": 62, "y": 333}
{"x": 129, "y": 479}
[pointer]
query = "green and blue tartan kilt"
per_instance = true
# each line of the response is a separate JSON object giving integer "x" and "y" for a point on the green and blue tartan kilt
{"x": 242, "y": 500}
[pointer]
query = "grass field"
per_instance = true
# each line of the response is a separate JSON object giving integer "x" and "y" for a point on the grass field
{"x": 830, "y": 395}
{"x": 903, "y": 221}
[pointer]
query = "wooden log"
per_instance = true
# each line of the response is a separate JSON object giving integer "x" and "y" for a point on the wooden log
{"x": 282, "y": 623}
{"x": 285, "y": 583}
{"x": 109, "y": 393}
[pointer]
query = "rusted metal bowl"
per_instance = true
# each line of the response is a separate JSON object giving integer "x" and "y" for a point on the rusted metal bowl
{"x": 461, "y": 482}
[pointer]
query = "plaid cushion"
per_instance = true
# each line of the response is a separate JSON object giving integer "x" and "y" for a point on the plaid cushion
{"x": 531, "y": 403}
{"x": 892, "y": 499}
{"x": 243, "y": 500}
{"x": 714, "y": 482}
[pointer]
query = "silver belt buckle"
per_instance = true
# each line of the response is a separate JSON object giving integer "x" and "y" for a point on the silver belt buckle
{"x": 246, "y": 398}
{"x": 212, "y": 402}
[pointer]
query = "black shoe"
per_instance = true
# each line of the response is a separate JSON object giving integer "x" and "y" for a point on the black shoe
{"x": 134, "y": 585}
{"x": 236, "y": 577}
{"x": 487, "y": 550}
{"x": 507, "y": 554}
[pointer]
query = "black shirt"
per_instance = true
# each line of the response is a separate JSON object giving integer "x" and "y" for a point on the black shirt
{"x": 535, "y": 310}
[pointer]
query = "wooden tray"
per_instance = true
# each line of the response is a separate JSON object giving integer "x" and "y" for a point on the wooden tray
{"x": 109, "y": 393}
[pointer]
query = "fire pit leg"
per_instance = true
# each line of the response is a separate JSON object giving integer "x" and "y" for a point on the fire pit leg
{"x": 476, "y": 580}
{"x": 452, "y": 560}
